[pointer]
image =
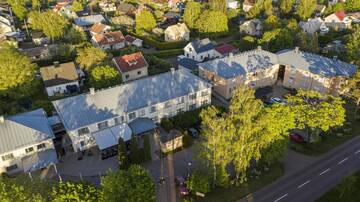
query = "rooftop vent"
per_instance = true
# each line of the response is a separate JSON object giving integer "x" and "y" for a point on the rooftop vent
{"x": 92, "y": 91}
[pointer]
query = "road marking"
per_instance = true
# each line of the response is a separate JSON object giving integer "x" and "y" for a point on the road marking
{"x": 358, "y": 151}
{"x": 325, "y": 171}
{"x": 283, "y": 196}
{"x": 342, "y": 161}
{"x": 303, "y": 184}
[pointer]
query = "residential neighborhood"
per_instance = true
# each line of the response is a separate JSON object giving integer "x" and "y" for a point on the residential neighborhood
{"x": 180, "y": 100}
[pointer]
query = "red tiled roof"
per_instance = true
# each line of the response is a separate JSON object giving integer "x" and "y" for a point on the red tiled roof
{"x": 225, "y": 49}
{"x": 341, "y": 15}
{"x": 130, "y": 62}
{"x": 130, "y": 38}
{"x": 110, "y": 38}
{"x": 98, "y": 28}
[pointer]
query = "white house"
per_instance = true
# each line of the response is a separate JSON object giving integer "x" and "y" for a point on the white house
{"x": 178, "y": 32}
{"x": 154, "y": 97}
{"x": 312, "y": 25}
{"x": 99, "y": 28}
{"x": 199, "y": 50}
{"x": 60, "y": 78}
{"x": 85, "y": 22}
{"x": 232, "y": 4}
{"x": 338, "y": 21}
{"x": 5, "y": 25}
{"x": 248, "y": 4}
{"x": 107, "y": 6}
{"x": 26, "y": 142}
{"x": 109, "y": 40}
{"x": 251, "y": 27}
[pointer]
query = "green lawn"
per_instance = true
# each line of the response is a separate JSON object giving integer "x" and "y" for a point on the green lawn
{"x": 350, "y": 129}
{"x": 236, "y": 193}
{"x": 347, "y": 191}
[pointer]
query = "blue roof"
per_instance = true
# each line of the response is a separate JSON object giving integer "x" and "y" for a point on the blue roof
{"x": 188, "y": 63}
{"x": 142, "y": 125}
{"x": 24, "y": 129}
{"x": 241, "y": 64}
{"x": 316, "y": 64}
{"x": 89, "y": 20}
{"x": 202, "y": 45}
{"x": 86, "y": 109}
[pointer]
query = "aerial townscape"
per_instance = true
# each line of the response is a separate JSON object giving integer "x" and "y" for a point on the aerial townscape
{"x": 179, "y": 100}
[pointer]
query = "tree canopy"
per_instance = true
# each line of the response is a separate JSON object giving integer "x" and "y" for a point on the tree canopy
{"x": 218, "y": 5}
{"x": 71, "y": 191}
{"x": 192, "y": 13}
{"x": 144, "y": 21}
{"x": 77, "y": 6}
{"x": 135, "y": 184}
{"x": 305, "y": 9}
{"x": 19, "y": 8}
{"x": 89, "y": 56}
{"x": 53, "y": 25}
{"x": 212, "y": 22}
{"x": 17, "y": 73}
{"x": 104, "y": 76}
{"x": 286, "y": 6}
{"x": 353, "y": 45}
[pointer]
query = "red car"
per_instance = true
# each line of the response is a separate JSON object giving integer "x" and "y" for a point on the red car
{"x": 296, "y": 138}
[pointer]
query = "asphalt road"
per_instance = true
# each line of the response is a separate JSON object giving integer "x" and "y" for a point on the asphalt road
{"x": 312, "y": 182}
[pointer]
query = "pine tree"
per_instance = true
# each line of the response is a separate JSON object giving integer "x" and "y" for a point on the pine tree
{"x": 122, "y": 155}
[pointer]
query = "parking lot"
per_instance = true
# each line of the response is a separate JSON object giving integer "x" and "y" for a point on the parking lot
{"x": 276, "y": 91}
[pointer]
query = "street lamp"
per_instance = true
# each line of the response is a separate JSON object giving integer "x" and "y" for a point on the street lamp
{"x": 188, "y": 168}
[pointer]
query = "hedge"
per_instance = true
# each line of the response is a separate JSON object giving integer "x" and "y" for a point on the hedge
{"x": 168, "y": 53}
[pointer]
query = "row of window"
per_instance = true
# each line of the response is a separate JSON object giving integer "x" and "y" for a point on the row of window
{"x": 127, "y": 76}
{"x": 132, "y": 115}
{"x": 28, "y": 150}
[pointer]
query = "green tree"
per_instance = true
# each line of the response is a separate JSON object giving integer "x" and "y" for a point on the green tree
{"x": 19, "y": 8}
{"x": 316, "y": 112}
{"x": 268, "y": 8}
{"x": 104, "y": 76}
{"x": 269, "y": 36}
{"x": 89, "y": 56}
{"x": 192, "y": 13}
{"x": 147, "y": 148}
{"x": 218, "y": 5}
{"x": 17, "y": 73}
{"x": 122, "y": 155}
{"x": 232, "y": 14}
{"x": 283, "y": 40}
{"x": 271, "y": 22}
{"x": 77, "y": 6}
{"x": 144, "y": 21}
{"x": 72, "y": 191}
{"x": 53, "y": 25}
{"x": 198, "y": 182}
{"x": 36, "y": 4}
{"x": 305, "y": 9}
{"x": 353, "y": 46}
{"x": 286, "y": 6}
{"x": 352, "y": 89}
{"x": 212, "y": 22}
{"x": 135, "y": 184}
{"x": 75, "y": 35}
{"x": 352, "y": 5}
{"x": 256, "y": 9}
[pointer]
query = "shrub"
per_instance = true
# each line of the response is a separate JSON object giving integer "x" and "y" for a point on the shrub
{"x": 166, "y": 124}
{"x": 198, "y": 182}
{"x": 168, "y": 53}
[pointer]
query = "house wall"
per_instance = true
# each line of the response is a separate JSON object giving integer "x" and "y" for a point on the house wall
{"x": 170, "y": 36}
{"x": 108, "y": 46}
{"x": 189, "y": 52}
{"x": 171, "y": 145}
{"x": 51, "y": 91}
{"x": 202, "y": 98}
{"x": 246, "y": 8}
{"x": 134, "y": 74}
{"x": 21, "y": 153}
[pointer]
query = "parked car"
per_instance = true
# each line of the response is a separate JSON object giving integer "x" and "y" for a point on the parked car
{"x": 145, "y": 45}
{"x": 296, "y": 138}
{"x": 183, "y": 190}
{"x": 179, "y": 181}
{"x": 193, "y": 132}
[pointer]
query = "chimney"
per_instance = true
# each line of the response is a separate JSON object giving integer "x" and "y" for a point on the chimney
{"x": 2, "y": 119}
{"x": 259, "y": 48}
{"x": 296, "y": 50}
{"x": 335, "y": 57}
{"x": 172, "y": 70}
{"x": 231, "y": 54}
{"x": 56, "y": 64}
{"x": 92, "y": 91}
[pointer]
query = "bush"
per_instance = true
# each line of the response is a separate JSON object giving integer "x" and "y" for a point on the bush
{"x": 147, "y": 148}
{"x": 168, "y": 53}
{"x": 157, "y": 65}
{"x": 187, "y": 119}
{"x": 187, "y": 140}
{"x": 166, "y": 124}
{"x": 160, "y": 45}
{"x": 198, "y": 182}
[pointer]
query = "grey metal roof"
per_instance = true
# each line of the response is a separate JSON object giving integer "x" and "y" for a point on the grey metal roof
{"x": 142, "y": 125}
{"x": 86, "y": 109}
{"x": 24, "y": 129}
{"x": 316, "y": 64}
{"x": 241, "y": 64}
{"x": 188, "y": 63}
{"x": 89, "y": 20}
{"x": 202, "y": 45}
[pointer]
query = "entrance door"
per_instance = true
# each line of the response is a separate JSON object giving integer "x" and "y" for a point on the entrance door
{"x": 281, "y": 73}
